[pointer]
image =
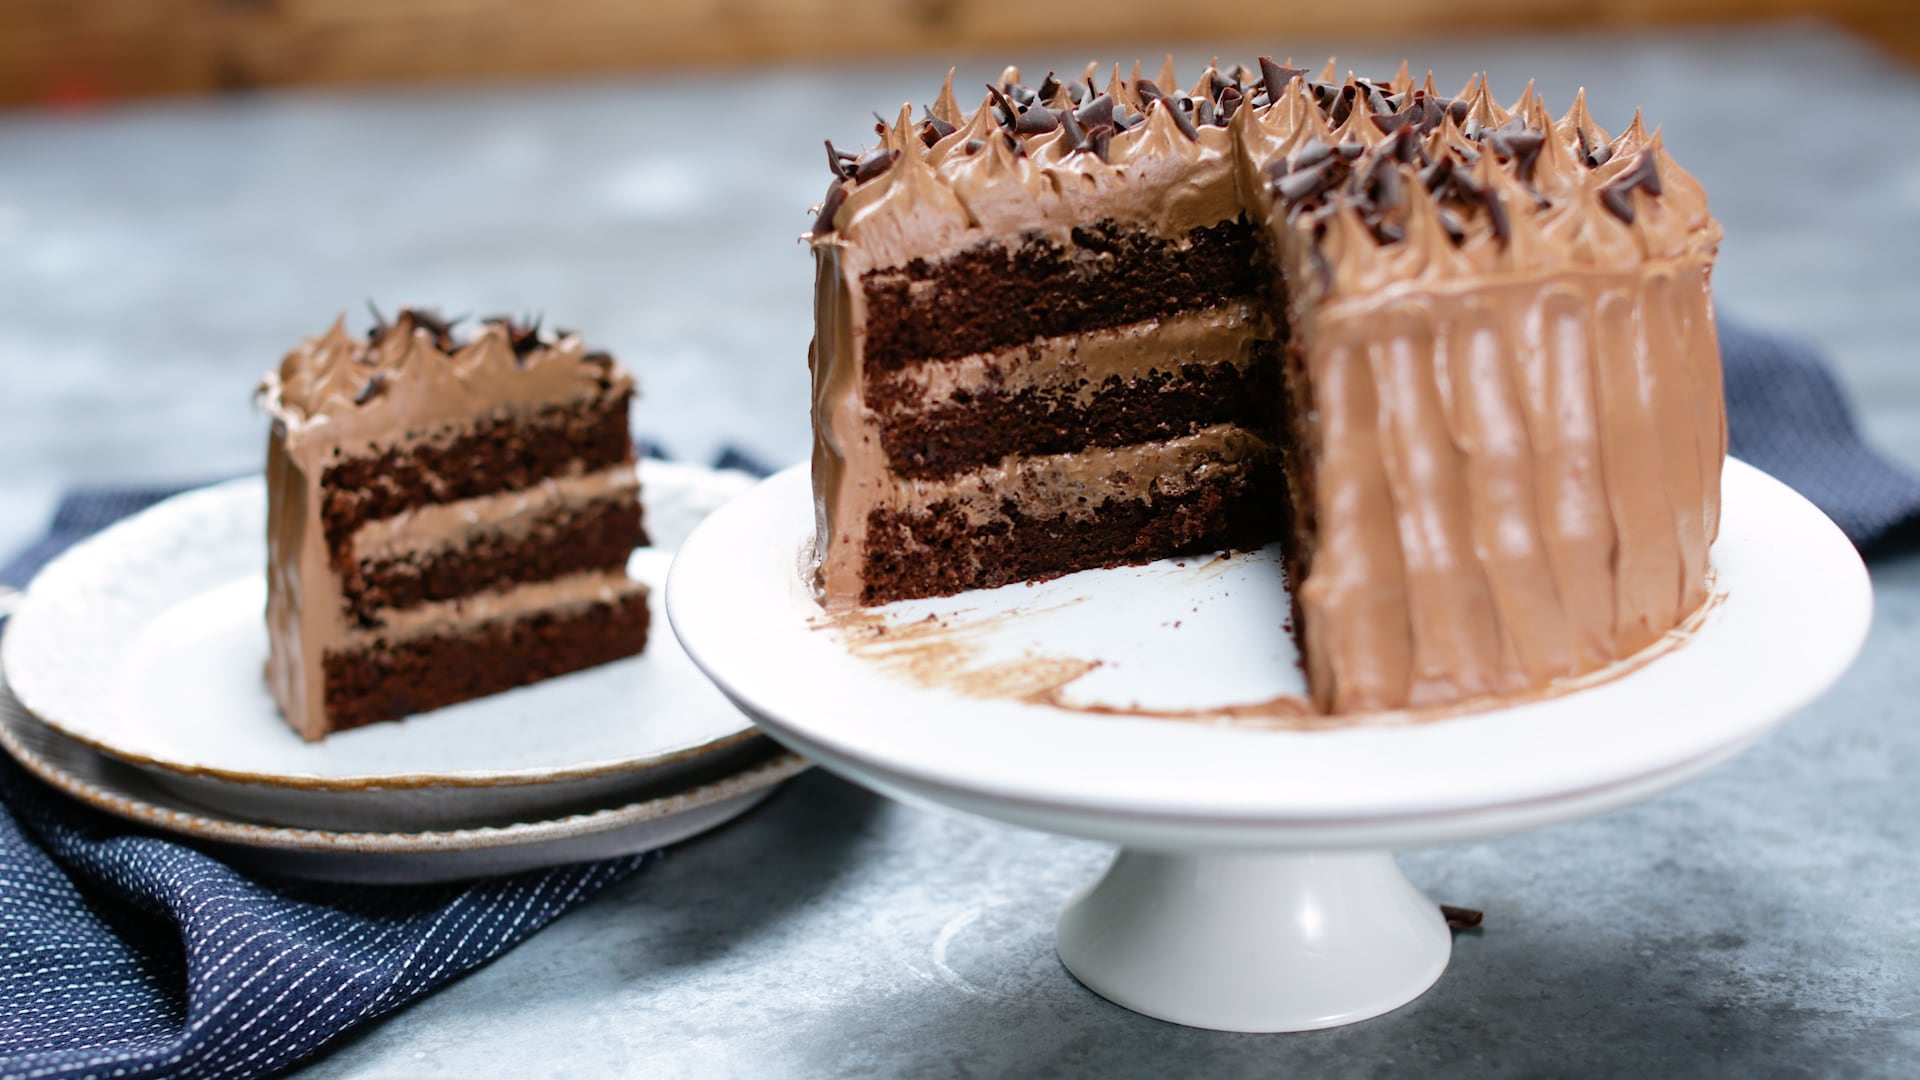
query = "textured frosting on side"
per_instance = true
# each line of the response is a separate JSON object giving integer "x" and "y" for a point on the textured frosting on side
{"x": 408, "y": 382}
{"x": 1501, "y": 323}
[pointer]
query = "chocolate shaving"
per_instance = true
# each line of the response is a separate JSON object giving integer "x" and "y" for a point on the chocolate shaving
{"x": 1312, "y": 153}
{"x": 1461, "y": 918}
{"x": 1617, "y": 194}
{"x": 432, "y": 322}
{"x": 1049, "y": 88}
{"x": 1148, "y": 90}
{"x": 1522, "y": 146}
{"x": 375, "y": 385}
{"x": 839, "y": 162}
{"x": 1230, "y": 101}
{"x": 1203, "y": 113}
{"x": 1071, "y": 129}
{"x": 837, "y": 194}
{"x": 1099, "y": 139}
{"x": 1096, "y": 112}
{"x": 873, "y": 163}
{"x": 1301, "y": 185}
{"x": 1497, "y": 215}
{"x": 1037, "y": 120}
{"x": 1003, "y": 111}
{"x": 1459, "y": 109}
{"x": 1275, "y": 78}
{"x": 1181, "y": 120}
{"x": 933, "y": 129}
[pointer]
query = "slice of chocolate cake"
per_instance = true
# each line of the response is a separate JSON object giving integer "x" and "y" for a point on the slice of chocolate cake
{"x": 446, "y": 519}
{"x": 1459, "y": 358}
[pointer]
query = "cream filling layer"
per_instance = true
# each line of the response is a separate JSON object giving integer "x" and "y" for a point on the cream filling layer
{"x": 572, "y": 591}
{"x": 1075, "y": 485}
{"x": 511, "y": 513}
{"x": 1227, "y": 333}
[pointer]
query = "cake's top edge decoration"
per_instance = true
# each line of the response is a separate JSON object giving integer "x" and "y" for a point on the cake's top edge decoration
{"x": 420, "y": 369}
{"x": 1061, "y": 149}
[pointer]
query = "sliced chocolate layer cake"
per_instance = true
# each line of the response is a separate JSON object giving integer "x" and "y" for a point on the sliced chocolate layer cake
{"x": 446, "y": 519}
{"x": 1459, "y": 358}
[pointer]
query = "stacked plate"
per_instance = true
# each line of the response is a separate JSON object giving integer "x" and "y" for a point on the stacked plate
{"x": 133, "y": 683}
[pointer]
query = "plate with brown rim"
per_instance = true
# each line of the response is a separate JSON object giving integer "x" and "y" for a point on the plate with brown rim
{"x": 391, "y": 857}
{"x": 146, "y": 643}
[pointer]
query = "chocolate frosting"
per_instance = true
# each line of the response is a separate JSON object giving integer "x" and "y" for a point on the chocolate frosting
{"x": 1504, "y": 318}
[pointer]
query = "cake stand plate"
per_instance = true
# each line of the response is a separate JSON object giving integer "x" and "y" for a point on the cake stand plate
{"x": 1255, "y": 889}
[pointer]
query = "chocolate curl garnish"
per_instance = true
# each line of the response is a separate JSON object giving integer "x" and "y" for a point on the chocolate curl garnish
{"x": 1275, "y": 78}
{"x": 933, "y": 129}
{"x": 1461, "y": 918}
{"x": 837, "y": 194}
{"x": 1180, "y": 118}
{"x": 974, "y": 146}
{"x": 1050, "y": 88}
{"x": 1037, "y": 120}
{"x": 1522, "y": 146}
{"x": 1203, "y": 112}
{"x": 1149, "y": 91}
{"x": 873, "y": 163}
{"x": 375, "y": 385}
{"x": 840, "y": 162}
{"x": 1005, "y": 113}
{"x": 1301, "y": 185}
{"x": 1099, "y": 140}
{"x": 379, "y": 322}
{"x": 432, "y": 322}
{"x": 1617, "y": 194}
{"x": 1071, "y": 129}
{"x": 1230, "y": 101}
{"x": 1096, "y": 112}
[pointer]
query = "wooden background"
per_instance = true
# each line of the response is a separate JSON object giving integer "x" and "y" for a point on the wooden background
{"x": 77, "y": 51}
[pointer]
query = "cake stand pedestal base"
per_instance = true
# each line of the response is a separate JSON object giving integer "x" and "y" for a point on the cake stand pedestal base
{"x": 1257, "y": 941}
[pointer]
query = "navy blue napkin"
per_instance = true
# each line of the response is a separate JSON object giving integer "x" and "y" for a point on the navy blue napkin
{"x": 124, "y": 953}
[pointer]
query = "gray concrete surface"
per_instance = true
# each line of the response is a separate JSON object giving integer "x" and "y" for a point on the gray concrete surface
{"x": 1762, "y": 921}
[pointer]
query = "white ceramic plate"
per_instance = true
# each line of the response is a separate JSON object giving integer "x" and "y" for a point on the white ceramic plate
{"x": 146, "y": 643}
{"x": 980, "y": 707}
{"x": 386, "y": 857}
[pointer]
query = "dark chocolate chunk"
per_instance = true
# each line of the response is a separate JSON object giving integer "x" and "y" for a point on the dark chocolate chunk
{"x": 1460, "y": 918}
{"x": 376, "y": 383}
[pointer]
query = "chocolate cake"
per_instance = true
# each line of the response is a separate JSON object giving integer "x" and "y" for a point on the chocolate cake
{"x": 1458, "y": 358}
{"x": 446, "y": 519}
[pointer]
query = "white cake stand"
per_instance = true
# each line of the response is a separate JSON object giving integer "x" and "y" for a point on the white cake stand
{"x": 1255, "y": 888}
